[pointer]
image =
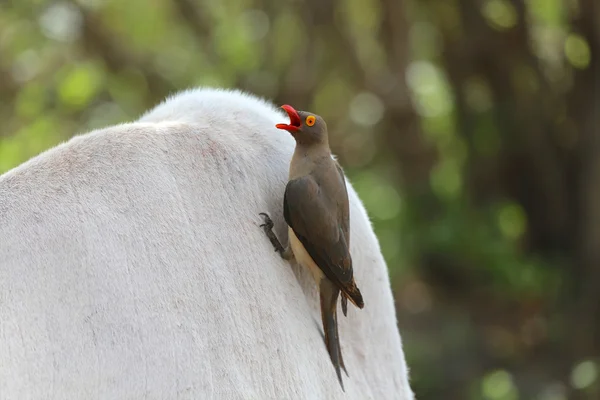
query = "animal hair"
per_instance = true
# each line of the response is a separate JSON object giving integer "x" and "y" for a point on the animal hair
{"x": 132, "y": 265}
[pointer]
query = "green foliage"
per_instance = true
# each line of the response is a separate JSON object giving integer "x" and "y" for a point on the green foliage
{"x": 577, "y": 51}
{"x": 79, "y": 84}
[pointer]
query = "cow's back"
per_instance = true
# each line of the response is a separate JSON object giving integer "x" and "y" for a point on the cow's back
{"x": 132, "y": 266}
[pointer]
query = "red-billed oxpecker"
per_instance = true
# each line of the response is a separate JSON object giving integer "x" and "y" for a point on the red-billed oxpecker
{"x": 315, "y": 208}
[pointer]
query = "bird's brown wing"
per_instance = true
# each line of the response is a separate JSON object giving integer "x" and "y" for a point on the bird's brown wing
{"x": 344, "y": 219}
{"x": 314, "y": 220}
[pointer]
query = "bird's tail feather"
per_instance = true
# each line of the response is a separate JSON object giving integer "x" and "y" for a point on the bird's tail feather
{"x": 340, "y": 347}
{"x": 352, "y": 293}
{"x": 329, "y": 294}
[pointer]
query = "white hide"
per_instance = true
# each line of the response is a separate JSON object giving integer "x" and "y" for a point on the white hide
{"x": 132, "y": 266}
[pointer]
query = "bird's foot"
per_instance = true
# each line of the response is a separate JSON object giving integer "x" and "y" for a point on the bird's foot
{"x": 268, "y": 228}
{"x": 268, "y": 221}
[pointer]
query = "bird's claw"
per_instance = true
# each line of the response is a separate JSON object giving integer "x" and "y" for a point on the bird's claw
{"x": 268, "y": 228}
{"x": 268, "y": 221}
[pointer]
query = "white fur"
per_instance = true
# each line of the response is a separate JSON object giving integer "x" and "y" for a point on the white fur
{"x": 132, "y": 266}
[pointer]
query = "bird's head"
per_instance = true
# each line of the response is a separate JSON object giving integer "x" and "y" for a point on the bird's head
{"x": 305, "y": 127}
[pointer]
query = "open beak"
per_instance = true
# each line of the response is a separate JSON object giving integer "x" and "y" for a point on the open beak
{"x": 294, "y": 119}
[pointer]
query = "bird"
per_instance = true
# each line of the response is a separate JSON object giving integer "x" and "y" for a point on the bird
{"x": 316, "y": 210}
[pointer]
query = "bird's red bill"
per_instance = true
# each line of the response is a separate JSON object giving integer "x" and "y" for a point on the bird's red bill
{"x": 295, "y": 122}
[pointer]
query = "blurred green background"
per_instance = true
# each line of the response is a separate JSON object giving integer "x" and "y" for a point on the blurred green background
{"x": 470, "y": 128}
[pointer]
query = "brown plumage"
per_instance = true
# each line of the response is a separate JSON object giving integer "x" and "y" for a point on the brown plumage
{"x": 316, "y": 210}
{"x": 312, "y": 211}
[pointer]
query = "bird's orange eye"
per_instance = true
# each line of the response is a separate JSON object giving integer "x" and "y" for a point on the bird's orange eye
{"x": 310, "y": 120}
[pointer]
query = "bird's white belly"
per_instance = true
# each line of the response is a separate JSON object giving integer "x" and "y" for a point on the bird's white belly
{"x": 302, "y": 256}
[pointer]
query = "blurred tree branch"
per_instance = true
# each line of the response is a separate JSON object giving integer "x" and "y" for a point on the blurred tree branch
{"x": 584, "y": 111}
{"x": 8, "y": 86}
{"x": 413, "y": 156}
{"x": 99, "y": 40}
{"x": 199, "y": 23}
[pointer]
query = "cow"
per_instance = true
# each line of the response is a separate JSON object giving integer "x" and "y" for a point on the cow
{"x": 133, "y": 266}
